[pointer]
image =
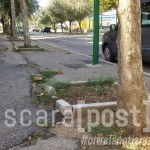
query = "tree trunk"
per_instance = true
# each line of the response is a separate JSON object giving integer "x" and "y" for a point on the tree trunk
{"x": 62, "y": 28}
{"x": 101, "y": 20}
{"x": 54, "y": 26}
{"x": 131, "y": 84}
{"x": 70, "y": 27}
{"x": 80, "y": 26}
{"x": 89, "y": 23}
{"x": 13, "y": 19}
{"x": 24, "y": 13}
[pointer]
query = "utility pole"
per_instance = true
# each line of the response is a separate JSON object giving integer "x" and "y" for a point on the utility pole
{"x": 96, "y": 33}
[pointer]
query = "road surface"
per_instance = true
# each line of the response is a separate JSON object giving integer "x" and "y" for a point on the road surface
{"x": 77, "y": 43}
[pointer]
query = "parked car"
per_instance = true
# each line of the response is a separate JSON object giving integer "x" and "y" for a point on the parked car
{"x": 20, "y": 31}
{"x": 109, "y": 45}
{"x": 46, "y": 29}
{"x": 35, "y": 29}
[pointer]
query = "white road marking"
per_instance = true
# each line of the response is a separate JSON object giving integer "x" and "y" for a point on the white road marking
{"x": 92, "y": 43}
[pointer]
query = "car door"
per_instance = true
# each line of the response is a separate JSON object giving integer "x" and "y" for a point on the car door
{"x": 146, "y": 31}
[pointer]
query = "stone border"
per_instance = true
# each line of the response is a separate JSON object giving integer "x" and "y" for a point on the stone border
{"x": 63, "y": 106}
{"x": 38, "y": 48}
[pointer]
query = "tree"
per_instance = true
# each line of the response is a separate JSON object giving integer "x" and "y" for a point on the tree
{"x": 70, "y": 12}
{"x": 45, "y": 18}
{"x": 106, "y": 5}
{"x": 24, "y": 14}
{"x": 13, "y": 13}
{"x": 58, "y": 11}
{"x": 5, "y": 10}
{"x": 83, "y": 9}
{"x": 131, "y": 84}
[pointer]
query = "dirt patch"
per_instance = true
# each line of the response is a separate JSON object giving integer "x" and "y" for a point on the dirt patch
{"x": 90, "y": 94}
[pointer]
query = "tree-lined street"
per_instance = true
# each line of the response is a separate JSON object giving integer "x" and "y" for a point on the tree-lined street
{"x": 56, "y": 94}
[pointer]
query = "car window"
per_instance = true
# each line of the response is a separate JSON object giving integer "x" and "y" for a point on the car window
{"x": 146, "y": 14}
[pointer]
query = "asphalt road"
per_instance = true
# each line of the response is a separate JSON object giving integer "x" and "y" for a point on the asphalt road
{"x": 82, "y": 44}
{"x": 78, "y": 43}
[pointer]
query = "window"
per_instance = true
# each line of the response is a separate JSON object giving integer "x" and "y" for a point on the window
{"x": 146, "y": 14}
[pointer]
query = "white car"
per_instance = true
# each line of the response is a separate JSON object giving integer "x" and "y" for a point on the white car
{"x": 35, "y": 30}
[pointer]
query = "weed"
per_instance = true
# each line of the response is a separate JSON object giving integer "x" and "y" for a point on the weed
{"x": 101, "y": 81}
{"x": 48, "y": 73}
{"x": 59, "y": 84}
{"x": 44, "y": 74}
{"x": 108, "y": 131}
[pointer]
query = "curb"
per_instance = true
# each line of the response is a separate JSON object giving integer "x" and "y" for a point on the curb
{"x": 64, "y": 107}
{"x": 102, "y": 61}
{"x": 17, "y": 48}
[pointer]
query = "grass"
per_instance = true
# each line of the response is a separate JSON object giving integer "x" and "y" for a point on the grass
{"x": 59, "y": 84}
{"x": 101, "y": 81}
{"x": 33, "y": 138}
{"x": 48, "y": 73}
{"x": 44, "y": 74}
{"x": 107, "y": 132}
{"x": 44, "y": 100}
{"x": 71, "y": 92}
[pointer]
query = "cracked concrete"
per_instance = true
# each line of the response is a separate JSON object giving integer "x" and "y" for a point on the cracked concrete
{"x": 15, "y": 93}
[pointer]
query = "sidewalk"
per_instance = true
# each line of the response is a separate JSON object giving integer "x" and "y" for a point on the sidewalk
{"x": 74, "y": 67}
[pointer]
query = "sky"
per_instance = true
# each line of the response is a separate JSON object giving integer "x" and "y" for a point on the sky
{"x": 43, "y": 3}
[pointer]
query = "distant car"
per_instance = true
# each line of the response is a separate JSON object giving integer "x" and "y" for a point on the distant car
{"x": 35, "y": 30}
{"x": 20, "y": 31}
{"x": 46, "y": 29}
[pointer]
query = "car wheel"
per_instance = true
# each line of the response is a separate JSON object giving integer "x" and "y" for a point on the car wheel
{"x": 108, "y": 54}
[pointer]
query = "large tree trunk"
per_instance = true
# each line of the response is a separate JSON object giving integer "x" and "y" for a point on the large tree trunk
{"x": 13, "y": 19}
{"x": 24, "y": 13}
{"x": 131, "y": 84}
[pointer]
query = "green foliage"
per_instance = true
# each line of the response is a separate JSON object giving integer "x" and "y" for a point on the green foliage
{"x": 5, "y": 7}
{"x": 67, "y": 10}
{"x": 48, "y": 73}
{"x": 45, "y": 20}
{"x": 108, "y": 132}
{"x": 106, "y": 5}
{"x": 59, "y": 84}
{"x": 101, "y": 81}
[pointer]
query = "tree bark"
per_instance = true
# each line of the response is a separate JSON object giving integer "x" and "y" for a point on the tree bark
{"x": 70, "y": 26}
{"x": 101, "y": 19}
{"x": 89, "y": 23}
{"x": 13, "y": 20}
{"x": 80, "y": 26}
{"x": 54, "y": 26}
{"x": 24, "y": 13}
{"x": 62, "y": 27}
{"x": 131, "y": 84}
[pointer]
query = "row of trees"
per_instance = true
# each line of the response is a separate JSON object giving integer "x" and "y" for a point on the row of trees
{"x": 10, "y": 10}
{"x": 66, "y": 10}
{"x": 72, "y": 10}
